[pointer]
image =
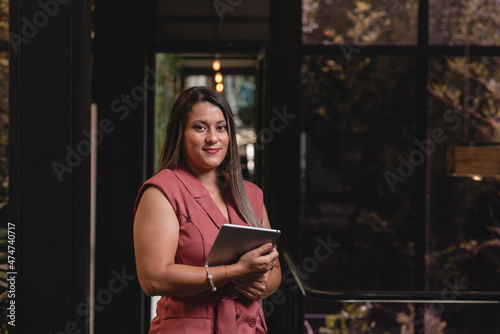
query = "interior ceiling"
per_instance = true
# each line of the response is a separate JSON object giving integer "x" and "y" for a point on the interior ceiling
{"x": 198, "y": 31}
{"x": 228, "y": 61}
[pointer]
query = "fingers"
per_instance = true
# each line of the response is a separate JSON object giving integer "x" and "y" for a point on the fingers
{"x": 255, "y": 262}
{"x": 264, "y": 249}
{"x": 271, "y": 257}
{"x": 252, "y": 288}
{"x": 248, "y": 293}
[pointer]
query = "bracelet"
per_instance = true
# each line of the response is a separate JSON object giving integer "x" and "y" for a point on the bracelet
{"x": 209, "y": 277}
{"x": 225, "y": 277}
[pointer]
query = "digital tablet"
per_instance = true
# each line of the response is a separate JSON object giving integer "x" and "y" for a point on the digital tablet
{"x": 235, "y": 240}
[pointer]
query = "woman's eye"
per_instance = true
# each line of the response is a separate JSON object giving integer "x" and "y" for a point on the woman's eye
{"x": 222, "y": 128}
{"x": 199, "y": 127}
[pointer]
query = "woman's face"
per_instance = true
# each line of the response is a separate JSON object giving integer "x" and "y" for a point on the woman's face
{"x": 205, "y": 138}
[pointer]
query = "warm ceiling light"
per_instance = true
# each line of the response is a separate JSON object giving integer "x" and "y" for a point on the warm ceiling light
{"x": 218, "y": 77}
{"x": 477, "y": 178}
{"x": 219, "y": 87}
{"x": 216, "y": 65}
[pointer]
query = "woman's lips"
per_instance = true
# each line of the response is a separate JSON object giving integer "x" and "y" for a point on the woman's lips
{"x": 211, "y": 150}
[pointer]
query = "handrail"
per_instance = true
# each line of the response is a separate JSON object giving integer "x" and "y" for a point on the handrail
{"x": 462, "y": 297}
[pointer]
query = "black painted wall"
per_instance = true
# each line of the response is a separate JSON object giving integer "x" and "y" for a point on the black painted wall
{"x": 122, "y": 84}
{"x": 49, "y": 103}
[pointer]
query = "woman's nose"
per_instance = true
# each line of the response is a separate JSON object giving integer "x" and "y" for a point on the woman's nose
{"x": 212, "y": 136}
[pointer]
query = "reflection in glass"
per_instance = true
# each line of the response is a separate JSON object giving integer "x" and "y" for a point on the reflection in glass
{"x": 400, "y": 318}
{"x": 473, "y": 22}
{"x": 364, "y": 317}
{"x": 458, "y": 318}
{"x": 359, "y": 22}
{"x": 464, "y": 212}
{"x": 358, "y": 118}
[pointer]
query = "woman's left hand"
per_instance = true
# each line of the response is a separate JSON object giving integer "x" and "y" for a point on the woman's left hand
{"x": 253, "y": 287}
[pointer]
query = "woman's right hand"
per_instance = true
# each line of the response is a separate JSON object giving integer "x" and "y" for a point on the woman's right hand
{"x": 258, "y": 261}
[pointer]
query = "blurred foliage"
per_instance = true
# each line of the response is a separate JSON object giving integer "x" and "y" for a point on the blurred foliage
{"x": 368, "y": 318}
{"x": 4, "y": 20}
{"x": 466, "y": 241}
{"x": 167, "y": 89}
{"x": 353, "y": 318}
{"x": 359, "y": 22}
{"x": 470, "y": 88}
{"x": 432, "y": 322}
{"x": 464, "y": 22}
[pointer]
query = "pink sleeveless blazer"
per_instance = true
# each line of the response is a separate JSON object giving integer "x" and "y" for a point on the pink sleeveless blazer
{"x": 199, "y": 222}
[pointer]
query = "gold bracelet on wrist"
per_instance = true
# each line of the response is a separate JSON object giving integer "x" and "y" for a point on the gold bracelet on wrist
{"x": 225, "y": 278}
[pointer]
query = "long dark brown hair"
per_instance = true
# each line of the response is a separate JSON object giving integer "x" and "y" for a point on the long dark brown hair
{"x": 172, "y": 155}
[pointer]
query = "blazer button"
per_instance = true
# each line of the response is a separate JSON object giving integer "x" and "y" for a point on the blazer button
{"x": 251, "y": 323}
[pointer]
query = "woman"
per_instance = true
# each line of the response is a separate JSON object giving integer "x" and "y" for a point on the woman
{"x": 179, "y": 212}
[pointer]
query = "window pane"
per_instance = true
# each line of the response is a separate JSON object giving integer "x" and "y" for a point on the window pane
{"x": 324, "y": 317}
{"x": 359, "y": 22}
{"x": 359, "y": 117}
{"x": 465, "y": 206}
{"x": 464, "y": 22}
{"x": 458, "y": 318}
{"x": 435, "y": 318}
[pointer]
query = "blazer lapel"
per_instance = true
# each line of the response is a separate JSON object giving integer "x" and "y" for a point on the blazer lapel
{"x": 201, "y": 195}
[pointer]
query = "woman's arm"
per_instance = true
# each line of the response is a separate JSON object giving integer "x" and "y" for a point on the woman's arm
{"x": 156, "y": 235}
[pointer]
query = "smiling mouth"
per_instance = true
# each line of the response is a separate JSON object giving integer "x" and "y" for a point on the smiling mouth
{"x": 211, "y": 150}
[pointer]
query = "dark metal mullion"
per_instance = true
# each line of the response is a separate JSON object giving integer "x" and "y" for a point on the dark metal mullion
{"x": 474, "y": 50}
{"x": 422, "y": 105}
{"x": 422, "y": 172}
{"x": 80, "y": 100}
{"x": 210, "y": 19}
{"x": 202, "y": 45}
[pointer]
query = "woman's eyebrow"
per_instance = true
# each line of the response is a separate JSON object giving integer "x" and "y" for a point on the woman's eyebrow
{"x": 205, "y": 122}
